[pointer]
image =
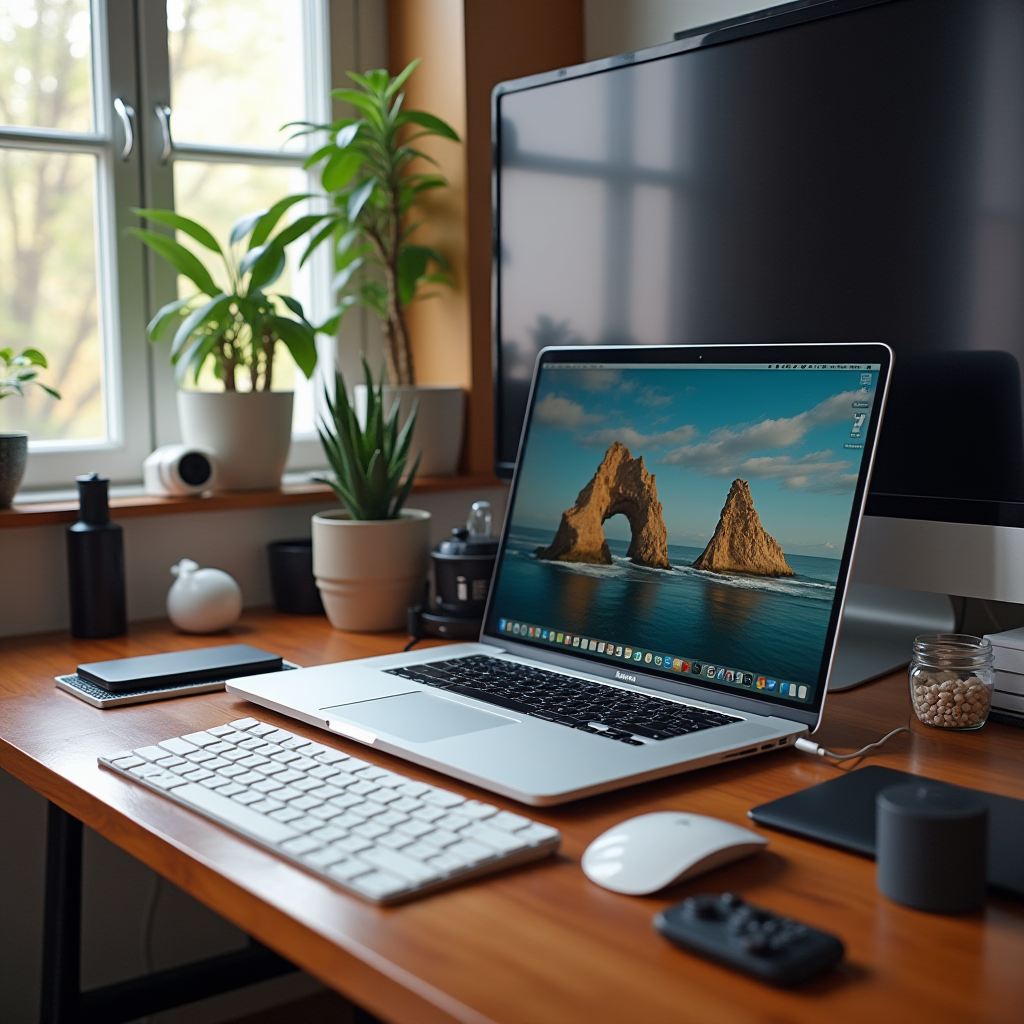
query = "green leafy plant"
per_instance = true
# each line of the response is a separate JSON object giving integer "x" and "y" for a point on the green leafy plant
{"x": 233, "y": 321}
{"x": 368, "y": 463}
{"x": 20, "y": 372}
{"x": 369, "y": 174}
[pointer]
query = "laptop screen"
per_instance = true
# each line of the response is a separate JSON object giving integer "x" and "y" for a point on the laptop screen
{"x": 687, "y": 519}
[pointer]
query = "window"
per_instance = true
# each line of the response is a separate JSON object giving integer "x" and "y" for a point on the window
{"x": 108, "y": 105}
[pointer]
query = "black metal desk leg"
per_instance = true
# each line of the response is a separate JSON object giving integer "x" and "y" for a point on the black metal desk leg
{"x": 62, "y": 922}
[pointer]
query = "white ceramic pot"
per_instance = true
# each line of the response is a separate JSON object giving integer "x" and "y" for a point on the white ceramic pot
{"x": 370, "y": 571}
{"x": 439, "y": 422}
{"x": 249, "y": 433}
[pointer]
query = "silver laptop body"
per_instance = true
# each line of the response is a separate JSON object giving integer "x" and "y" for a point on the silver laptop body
{"x": 614, "y": 652}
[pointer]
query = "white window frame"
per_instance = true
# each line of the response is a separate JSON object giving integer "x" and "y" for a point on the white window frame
{"x": 130, "y": 62}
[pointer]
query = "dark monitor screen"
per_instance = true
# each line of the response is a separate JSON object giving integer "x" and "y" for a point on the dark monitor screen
{"x": 850, "y": 176}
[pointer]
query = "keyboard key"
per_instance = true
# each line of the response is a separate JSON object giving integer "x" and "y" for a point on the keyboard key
{"x": 387, "y": 796}
{"x": 421, "y": 851}
{"x": 305, "y": 803}
{"x": 477, "y": 810}
{"x": 389, "y": 819}
{"x": 325, "y": 792}
{"x": 307, "y": 784}
{"x": 371, "y": 772}
{"x": 329, "y": 834}
{"x": 270, "y": 768}
{"x": 453, "y": 822}
{"x": 430, "y": 814}
{"x": 152, "y": 753}
{"x": 332, "y": 757}
{"x": 279, "y": 736}
{"x": 248, "y": 797}
{"x": 232, "y": 771}
{"x": 230, "y": 789}
{"x": 415, "y": 871}
{"x": 509, "y": 822}
{"x": 368, "y": 830}
{"x": 415, "y": 828}
{"x": 345, "y": 801}
{"x": 201, "y": 755}
{"x": 324, "y": 812}
{"x": 235, "y": 755}
{"x": 253, "y": 761}
{"x": 267, "y": 805}
{"x": 220, "y": 748}
{"x": 323, "y": 771}
{"x": 324, "y": 857}
{"x": 249, "y": 778}
{"x": 440, "y": 838}
{"x": 267, "y": 786}
{"x": 197, "y": 775}
{"x": 287, "y": 814}
{"x": 262, "y": 730}
{"x": 348, "y": 869}
{"x": 222, "y": 730}
{"x": 300, "y": 845}
{"x": 200, "y": 739}
{"x": 306, "y": 824}
{"x": 503, "y": 842}
{"x": 445, "y": 863}
{"x": 470, "y": 854}
{"x": 166, "y": 781}
{"x": 394, "y": 840}
{"x": 285, "y": 756}
{"x": 165, "y": 762}
{"x": 216, "y": 764}
{"x": 537, "y": 833}
{"x": 354, "y": 763}
{"x": 406, "y": 804}
{"x": 415, "y": 789}
{"x": 242, "y": 724}
{"x": 288, "y": 776}
{"x": 379, "y": 885}
{"x": 250, "y": 743}
{"x": 363, "y": 787}
{"x": 303, "y": 764}
{"x": 124, "y": 763}
{"x": 354, "y": 844}
{"x": 367, "y": 809}
{"x": 294, "y": 743}
{"x": 213, "y": 782}
{"x": 180, "y": 746}
{"x": 442, "y": 799}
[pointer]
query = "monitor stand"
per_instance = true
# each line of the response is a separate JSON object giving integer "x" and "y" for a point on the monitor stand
{"x": 877, "y": 633}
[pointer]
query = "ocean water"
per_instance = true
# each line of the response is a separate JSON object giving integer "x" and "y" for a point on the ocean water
{"x": 770, "y": 626}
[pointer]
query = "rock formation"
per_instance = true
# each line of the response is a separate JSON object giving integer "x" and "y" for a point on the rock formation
{"x": 740, "y": 543}
{"x": 620, "y": 485}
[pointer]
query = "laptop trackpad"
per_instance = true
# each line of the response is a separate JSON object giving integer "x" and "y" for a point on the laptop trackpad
{"x": 417, "y": 717}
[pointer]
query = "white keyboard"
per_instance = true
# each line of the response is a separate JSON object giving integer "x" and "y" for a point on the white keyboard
{"x": 379, "y": 835}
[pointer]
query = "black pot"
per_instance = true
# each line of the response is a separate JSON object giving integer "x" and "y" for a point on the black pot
{"x": 13, "y": 456}
{"x": 291, "y": 578}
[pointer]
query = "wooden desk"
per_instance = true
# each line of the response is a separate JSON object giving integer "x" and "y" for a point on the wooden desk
{"x": 539, "y": 944}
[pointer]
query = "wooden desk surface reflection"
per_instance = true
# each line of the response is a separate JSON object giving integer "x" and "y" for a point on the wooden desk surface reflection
{"x": 539, "y": 944}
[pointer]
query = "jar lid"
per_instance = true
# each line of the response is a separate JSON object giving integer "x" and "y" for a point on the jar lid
{"x": 953, "y": 650}
{"x": 463, "y": 543}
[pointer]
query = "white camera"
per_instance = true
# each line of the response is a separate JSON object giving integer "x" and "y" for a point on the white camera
{"x": 177, "y": 469}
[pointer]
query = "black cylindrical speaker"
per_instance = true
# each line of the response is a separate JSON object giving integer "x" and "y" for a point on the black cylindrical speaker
{"x": 931, "y": 846}
{"x": 291, "y": 578}
{"x": 96, "y": 565}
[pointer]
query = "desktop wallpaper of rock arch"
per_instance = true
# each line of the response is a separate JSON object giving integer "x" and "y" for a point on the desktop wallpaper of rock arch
{"x": 698, "y": 512}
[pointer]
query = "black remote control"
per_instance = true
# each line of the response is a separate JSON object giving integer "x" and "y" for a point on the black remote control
{"x": 750, "y": 939}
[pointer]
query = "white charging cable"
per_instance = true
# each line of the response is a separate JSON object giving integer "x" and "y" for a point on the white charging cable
{"x": 810, "y": 747}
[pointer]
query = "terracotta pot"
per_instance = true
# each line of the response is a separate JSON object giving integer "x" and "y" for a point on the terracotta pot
{"x": 249, "y": 433}
{"x": 13, "y": 456}
{"x": 439, "y": 422}
{"x": 370, "y": 571}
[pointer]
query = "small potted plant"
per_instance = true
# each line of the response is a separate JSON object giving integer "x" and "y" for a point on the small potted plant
{"x": 17, "y": 372}
{"x": 369, "y": 558}
{"x": 369, "y": 171}
{"x": 233, "y": 322}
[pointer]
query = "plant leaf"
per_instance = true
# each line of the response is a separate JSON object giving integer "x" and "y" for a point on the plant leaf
{"x": 340, "y": 169}
{"x": 269, "y": 220}
{"x": 344, "y": 275}
{"x": 317, "y": 239}
{"x": 433, "y": 125}
{"x": 190, "y": 227}
{"x": 345, "y": 136}
{"x": 401, "y": 78}
{"x": 182, "y": 259}
{"x": 164, "y": 316}
{"x": 267, "y": 269}
{"x": 244, "y": 225}
{"x": 299, "y": 339}
{"x": 199, "y": 316}
{"x": 358, "y": 199}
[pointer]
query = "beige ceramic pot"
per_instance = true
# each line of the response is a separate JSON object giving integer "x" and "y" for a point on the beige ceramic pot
{"x": 439, "y": 422}
{"x": 249, "y": 433}
{"x": 370, "y": 571}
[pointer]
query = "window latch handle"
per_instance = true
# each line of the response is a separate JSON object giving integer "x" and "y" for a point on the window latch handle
{"x": 126, "y": 113}
{"x": 163, "y": 115}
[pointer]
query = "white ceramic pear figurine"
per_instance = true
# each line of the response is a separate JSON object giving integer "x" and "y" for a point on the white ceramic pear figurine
{"x": 202, "y": 600}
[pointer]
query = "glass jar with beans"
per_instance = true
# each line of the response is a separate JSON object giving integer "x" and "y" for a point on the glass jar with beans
{"x": 951, "y": 680}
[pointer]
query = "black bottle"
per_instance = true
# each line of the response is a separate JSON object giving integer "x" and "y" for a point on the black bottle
{"x": 96, "y": 565}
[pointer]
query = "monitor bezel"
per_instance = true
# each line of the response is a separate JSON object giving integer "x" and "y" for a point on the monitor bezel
{"x": 838, "y": 352}
{"x": 714, "y": 34}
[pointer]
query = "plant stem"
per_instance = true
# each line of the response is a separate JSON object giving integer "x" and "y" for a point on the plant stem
{"x": 268, "y": 354}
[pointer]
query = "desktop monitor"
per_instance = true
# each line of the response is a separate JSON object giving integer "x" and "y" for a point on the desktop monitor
{"x": 849, "y": 170}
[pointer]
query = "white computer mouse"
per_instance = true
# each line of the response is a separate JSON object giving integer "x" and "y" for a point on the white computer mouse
{"x": 649, "y": 852}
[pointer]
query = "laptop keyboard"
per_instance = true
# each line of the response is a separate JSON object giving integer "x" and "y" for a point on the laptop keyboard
{"x": 622, "y": 715}
{"x": 380, "y": 835}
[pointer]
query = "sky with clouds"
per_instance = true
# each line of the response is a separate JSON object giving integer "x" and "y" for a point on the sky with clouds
{"x": 698, "y": 429}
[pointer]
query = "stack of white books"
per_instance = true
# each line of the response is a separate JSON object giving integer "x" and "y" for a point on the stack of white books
{"x": 1008, "y": 660}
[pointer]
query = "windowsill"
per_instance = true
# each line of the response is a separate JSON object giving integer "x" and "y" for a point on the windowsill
{"x": 129, "y": 502}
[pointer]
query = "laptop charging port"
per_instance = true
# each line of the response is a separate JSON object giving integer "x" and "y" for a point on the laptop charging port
{"x": 767, "y": 746}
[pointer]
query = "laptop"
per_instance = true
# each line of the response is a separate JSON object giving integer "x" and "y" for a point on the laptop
{"x": 669, "y": 582}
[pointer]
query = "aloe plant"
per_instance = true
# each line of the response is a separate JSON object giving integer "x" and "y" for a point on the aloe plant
{"x": 368, "y": 171}
{"x": 368, "y": 462}
{"x": 233, "y": 320}
{"x": 18, "y": 372}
